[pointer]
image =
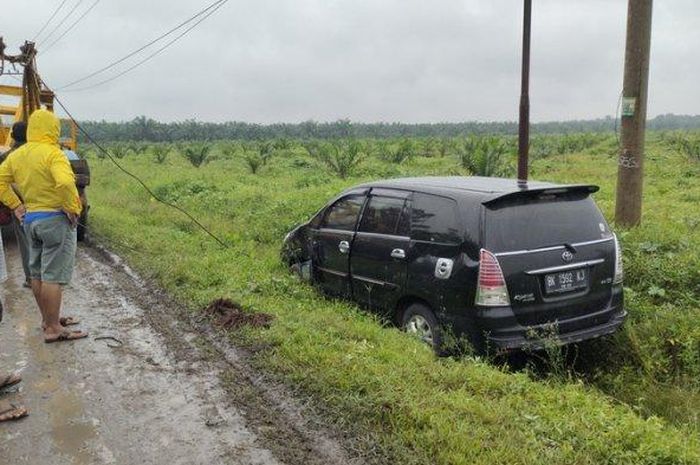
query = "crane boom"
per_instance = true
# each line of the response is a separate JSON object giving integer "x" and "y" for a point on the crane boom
{"x": 30, "y": 95}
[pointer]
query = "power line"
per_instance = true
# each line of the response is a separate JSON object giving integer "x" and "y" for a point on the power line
{"x": 72, "y": 25}
{"x": 53, "y": 15}
{"x": 75, "y": 7}
{"x": 152, "y": 55}
{"x": 133, "y": 176}
{"x": 140, "y": 49}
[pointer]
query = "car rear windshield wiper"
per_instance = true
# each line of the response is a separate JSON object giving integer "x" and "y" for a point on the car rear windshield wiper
{"x": 567, "y": 245}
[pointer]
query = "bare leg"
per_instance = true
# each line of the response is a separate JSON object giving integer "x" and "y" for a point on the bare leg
{"x": 36, "y": 290}
{"x": 66, "y": 321}
{"x": 21, "y": 237}
{"x": 50, "y": 295}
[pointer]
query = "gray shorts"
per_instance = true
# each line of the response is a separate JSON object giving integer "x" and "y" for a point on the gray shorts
{"x": 52, "y": 243}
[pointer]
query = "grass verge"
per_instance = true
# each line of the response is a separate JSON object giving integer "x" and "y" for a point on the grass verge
{"x": 382, "y": 385}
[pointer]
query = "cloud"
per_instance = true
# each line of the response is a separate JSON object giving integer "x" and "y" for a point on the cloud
{"x": 382, "y": 60}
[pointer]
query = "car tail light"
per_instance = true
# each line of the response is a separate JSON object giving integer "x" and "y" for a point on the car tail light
{"x": 617, "y": 279}
{"x": 491, "y": 289}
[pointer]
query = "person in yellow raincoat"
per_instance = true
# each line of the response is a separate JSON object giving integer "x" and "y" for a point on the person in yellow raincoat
{"x": 49, "y": 215}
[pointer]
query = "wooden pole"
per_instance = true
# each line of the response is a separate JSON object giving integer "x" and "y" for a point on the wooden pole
{"x": 630, "y": 171}
{"x": 524, "y": 125}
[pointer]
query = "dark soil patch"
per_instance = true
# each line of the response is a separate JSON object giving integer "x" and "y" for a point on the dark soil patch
{"x": 230, "y": 315}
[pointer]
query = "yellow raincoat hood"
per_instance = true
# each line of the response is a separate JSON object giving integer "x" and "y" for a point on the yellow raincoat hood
{"x": 40, "y": 170}
{"x": 43, "y": 127}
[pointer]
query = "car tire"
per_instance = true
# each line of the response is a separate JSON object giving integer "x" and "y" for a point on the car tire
{"x": 82, "y": 225}
{"x": 420, "y": 321}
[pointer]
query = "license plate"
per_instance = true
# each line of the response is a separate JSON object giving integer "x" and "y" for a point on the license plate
{"x": 566, "y": 281}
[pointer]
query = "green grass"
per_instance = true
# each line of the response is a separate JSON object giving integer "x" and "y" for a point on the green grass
{"x": 629, "y": 399}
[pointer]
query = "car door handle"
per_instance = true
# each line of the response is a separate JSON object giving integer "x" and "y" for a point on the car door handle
{"x": 398, "y": 253}
{"x": 344, "y": 246}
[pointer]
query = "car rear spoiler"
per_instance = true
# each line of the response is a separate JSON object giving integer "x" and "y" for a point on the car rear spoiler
{"x": 531, "y": 193}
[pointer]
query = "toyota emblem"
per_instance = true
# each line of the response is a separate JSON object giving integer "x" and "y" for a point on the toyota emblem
{"x": 567, "y": 256}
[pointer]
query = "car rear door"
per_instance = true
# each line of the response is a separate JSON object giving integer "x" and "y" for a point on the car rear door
{"x": 436, "y": 235}
{"x": 379, "y": 252}
{"x": 332, "y": 241}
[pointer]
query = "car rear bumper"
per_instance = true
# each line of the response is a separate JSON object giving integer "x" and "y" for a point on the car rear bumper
{"x": 537, "y": 338}
{"x": 498, "y": 327}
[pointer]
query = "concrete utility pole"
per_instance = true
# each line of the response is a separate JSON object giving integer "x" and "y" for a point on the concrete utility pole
{"x": 630, "y": 171}
{"x": 524, "y": 126}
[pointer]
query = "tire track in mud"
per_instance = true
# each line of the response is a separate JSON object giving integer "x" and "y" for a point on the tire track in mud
{"x": 283, "y": 422}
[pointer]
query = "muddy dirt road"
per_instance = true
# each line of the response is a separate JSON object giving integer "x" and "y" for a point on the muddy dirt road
{"x": 152, "y": 395}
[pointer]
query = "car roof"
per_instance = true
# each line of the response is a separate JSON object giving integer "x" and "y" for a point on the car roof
{"x": 477, "y": 184}
{"x": 483, "y": 189}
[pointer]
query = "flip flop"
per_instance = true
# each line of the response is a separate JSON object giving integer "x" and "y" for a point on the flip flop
{"x": 9, "y": 380}
{"x": 68, "y": 321}
{"x": 9, "y": 411}
{"x": 66, "y": 336}
{"x": 65, "y": 321}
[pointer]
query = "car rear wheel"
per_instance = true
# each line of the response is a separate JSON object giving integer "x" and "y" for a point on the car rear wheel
{"x": 419, "y": 321}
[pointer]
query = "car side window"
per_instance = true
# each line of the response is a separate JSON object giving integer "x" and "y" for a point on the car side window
{"x": 382, "y": 215}
{"x": 404, "y": 227}
{"x": 434, "y": 219}
{"x": 343, "y": 214}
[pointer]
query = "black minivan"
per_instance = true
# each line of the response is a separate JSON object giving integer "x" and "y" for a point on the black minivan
{"x": 504, "y": 263}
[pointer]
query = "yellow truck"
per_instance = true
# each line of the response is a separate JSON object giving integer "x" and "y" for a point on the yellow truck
{"x": 18, "y": 102}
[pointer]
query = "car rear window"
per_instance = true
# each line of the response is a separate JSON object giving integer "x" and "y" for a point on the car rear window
{"x": 523, "y": 224}
{"x": 434, "y": 219}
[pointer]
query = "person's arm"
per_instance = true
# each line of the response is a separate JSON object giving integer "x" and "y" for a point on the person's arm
{"x": 64, "y": 180}
{"x": 7, "y": 194}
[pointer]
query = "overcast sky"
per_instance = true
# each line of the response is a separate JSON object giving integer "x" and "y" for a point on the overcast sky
{"x": 366, "y": 60}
